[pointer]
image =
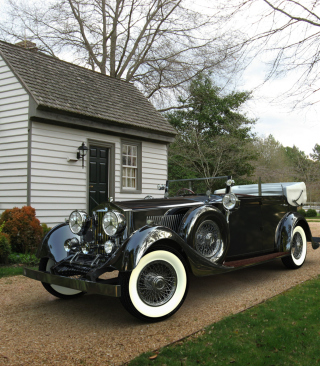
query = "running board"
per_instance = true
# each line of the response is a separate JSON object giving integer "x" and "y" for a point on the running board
{"x": 254, "y": 260}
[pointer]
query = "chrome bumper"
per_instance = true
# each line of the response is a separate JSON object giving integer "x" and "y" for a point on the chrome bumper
{"x": 81, "y": 285}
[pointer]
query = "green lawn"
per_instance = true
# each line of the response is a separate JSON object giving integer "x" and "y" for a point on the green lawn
{"x": 11, "y": 271}
{"x": 284, "y": 330}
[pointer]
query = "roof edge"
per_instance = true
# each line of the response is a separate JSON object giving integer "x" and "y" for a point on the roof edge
{"x": 55, "y": 118}
{"x": 16, "y": 74}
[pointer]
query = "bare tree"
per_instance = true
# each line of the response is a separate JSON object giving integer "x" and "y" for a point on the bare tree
{"x": 289, "y": 30}
{"x": 272, "y": 164}
{"x": 158, "y": 44}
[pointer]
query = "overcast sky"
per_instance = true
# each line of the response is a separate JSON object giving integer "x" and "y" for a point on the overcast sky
{"x": 300, "y": 127}
{"x": 290, "y": 127}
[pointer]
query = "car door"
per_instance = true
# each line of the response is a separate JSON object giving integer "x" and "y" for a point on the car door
{"x": 246, "y": 228}
{"x": 272, "y": 211}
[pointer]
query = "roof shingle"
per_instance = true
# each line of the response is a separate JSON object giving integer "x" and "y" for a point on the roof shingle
{"x": 63, "y": 86}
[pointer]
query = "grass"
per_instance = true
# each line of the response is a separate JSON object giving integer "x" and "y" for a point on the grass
{"x": 17, "y": 262}
{"x": 284, "y": 330}
{"x": 314, "y": 219}
{"x": 6, "y": 271}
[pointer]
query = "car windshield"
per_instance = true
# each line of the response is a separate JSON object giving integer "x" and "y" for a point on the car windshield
{"x": 195, "y": 186}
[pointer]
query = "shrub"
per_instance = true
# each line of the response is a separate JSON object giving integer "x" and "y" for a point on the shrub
{"x": 311, "y": 213}
{"x": 23, "y": 228}
{"x": 5, "y": 248}
{"x": 45, "y": 229}
{"x": 302, "y": 212}
{"x": 27, "y": 259}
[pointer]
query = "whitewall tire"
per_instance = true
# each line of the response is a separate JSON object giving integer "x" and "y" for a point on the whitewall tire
{"x": 298, "y": 250}
{"x": 157, "y": 287}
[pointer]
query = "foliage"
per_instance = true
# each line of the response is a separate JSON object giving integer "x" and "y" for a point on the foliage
{"x": 302, "y": 212}
{"x": 45, "y": 229}
{"x": 214, "y": 137}
{"x": 316, "y": 153}
{"x": 19, "y": 258}
{"x": 272, "y": 164}
{"x": 281, "y": 331}
{"x": 5, "y": 247}
{"x": 159, "y": 45}
{"x": 311, "y": 213}
{"x": 23, "y": 228}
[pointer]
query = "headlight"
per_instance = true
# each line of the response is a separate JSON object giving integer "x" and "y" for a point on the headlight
{"x": 113, "y": 223}
{"x": 229, "y": 201}
{"x": 77, "y": 220}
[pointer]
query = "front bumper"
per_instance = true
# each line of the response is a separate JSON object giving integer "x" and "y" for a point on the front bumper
{"x": 102, "y": 287}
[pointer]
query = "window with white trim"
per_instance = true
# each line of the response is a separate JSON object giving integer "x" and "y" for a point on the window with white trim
{"x": 129, "y": 166}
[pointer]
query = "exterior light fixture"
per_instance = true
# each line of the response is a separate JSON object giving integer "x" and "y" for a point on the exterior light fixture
{"x": 82, "y": 152}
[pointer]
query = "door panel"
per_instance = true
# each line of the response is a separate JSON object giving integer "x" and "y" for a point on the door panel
{"x": 245, "y": 228}
{"x": 98, "y": 176}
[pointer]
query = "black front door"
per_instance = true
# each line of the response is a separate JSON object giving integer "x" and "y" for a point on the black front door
{"x": 98, "y": 176}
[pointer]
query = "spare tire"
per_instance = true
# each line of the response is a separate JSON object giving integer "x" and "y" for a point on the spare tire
{"x": 205, "y": 229}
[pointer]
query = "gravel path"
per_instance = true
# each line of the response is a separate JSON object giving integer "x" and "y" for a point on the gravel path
{"x": 38, "y": 329}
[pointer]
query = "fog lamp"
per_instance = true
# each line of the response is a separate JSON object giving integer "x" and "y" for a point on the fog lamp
{"x": 85, "y": 248}
{"x": 108, "y": 247}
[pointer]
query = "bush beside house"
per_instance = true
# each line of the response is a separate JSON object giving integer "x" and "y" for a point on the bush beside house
{"x": 23, "y": 229}
{"x": 5, "y": 247}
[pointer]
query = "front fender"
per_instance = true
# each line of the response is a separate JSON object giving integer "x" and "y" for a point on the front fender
{"x": 195, "y": 216}
{"x": 52, "y": 245}
{"x": 139, "y": 243}
{"x": 283, "y": 235}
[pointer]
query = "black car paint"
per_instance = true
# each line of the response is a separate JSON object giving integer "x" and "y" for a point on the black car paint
{"x": 250, "y": 231}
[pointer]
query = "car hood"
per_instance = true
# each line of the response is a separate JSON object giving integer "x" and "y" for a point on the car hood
{"x": 149, "y": 204}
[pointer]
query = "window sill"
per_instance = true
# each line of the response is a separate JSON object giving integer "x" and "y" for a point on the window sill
{"x": 133, "y": 191}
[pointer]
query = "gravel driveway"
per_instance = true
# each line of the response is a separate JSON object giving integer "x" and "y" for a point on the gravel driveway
{"x": 38, "y": 329}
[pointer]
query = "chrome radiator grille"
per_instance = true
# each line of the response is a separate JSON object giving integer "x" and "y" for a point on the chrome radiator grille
{"x": 171, "y": 221}
{"x": 100, "y": 235}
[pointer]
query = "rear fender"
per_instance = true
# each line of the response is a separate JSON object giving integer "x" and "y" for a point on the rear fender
{"x": 52, "y": 245}
{"x": 284, "y": 231}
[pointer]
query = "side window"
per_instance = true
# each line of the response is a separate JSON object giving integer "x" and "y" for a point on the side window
{"x": 131, "y": 166}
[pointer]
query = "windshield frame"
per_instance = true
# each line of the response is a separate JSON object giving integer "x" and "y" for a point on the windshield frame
{"x": 227, "y": 177}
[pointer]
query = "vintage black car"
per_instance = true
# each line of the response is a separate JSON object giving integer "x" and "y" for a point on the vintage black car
{"x": 152, "y": 245}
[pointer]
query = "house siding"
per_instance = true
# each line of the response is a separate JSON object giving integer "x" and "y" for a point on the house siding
{"x": 14, "y": 106}
{"x": 59, "y": 186}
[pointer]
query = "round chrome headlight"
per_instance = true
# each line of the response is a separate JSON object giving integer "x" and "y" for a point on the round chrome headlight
{"x": 229, "y": 201}
{"x": 77, "y": 220}
{"x": 113, "y": 223}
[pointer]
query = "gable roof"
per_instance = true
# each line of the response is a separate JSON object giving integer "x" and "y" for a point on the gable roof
{"x": 62, "y": 86}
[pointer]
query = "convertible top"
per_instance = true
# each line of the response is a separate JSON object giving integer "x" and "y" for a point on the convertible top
{"x": 295, "y": 192}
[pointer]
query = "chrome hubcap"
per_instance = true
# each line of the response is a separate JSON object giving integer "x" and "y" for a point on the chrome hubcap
{"x": 157, "y": 283}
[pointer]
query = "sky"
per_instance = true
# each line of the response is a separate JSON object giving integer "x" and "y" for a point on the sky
{"x": 290, "y": 127}
{"x": 299, "y": 127}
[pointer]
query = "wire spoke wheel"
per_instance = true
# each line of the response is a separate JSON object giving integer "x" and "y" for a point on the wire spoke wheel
{"x": 157, "y": 283}
{"x": 297, "y": 246}
{"x": 157, "y": 287}
{"x": 208, "y": 239}
{"x": 298, "y": 250}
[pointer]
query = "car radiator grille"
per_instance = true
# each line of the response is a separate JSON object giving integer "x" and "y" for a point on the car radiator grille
{"x": 100, "y": 236}
{"x": 171, "y": 221}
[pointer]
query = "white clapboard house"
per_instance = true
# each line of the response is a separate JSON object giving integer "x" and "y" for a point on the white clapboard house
{"x": 48, "y": 109}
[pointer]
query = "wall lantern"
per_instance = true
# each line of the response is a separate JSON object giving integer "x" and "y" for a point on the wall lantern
{"x": 82, "y": 152}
